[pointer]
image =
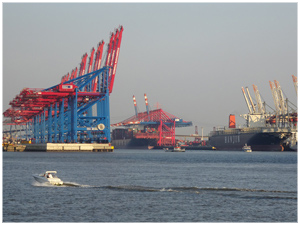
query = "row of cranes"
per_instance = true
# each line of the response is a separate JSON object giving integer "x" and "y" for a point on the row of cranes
{"x": 284, "y": 114}
{"x": 75, "y": 110}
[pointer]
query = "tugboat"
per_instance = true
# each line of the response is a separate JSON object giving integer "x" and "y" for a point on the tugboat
{"x": 247, "y": 148}
{"x": 175, "y": 149}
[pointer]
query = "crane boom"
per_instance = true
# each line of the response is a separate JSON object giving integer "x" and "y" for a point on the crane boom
{"x": 91, "y": 60}
{"x": 252, "y": 104}
{"x": 247, "y": 101}
{"x": 295, "y": 81}
{"x": 275, "y": 97}
{"x": 82, "y": 64}
{"x": 115, "y": 62}
{"x": 280, "y": 98}
{"x": 97, "y": 63}
{"x": 260, "y": 106}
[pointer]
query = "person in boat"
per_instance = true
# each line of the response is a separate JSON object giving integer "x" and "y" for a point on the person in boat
{"x": 49, "y": 175}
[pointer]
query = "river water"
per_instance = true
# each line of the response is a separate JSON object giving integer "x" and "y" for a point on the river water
{"x": 151, "y": 186}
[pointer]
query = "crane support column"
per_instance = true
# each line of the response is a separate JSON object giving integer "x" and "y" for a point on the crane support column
{"x": 50, "y": 124}
{"x": 55, "y": 122}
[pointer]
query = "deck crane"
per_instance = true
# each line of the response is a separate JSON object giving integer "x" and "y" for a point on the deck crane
{"x": 282, "y": 102}
{"x": 252, "y": 104}
{"x": 135, "y": 107}
{"x": 247, "y": 101}
{"x": 275, "y": 97}
{"x": 260, "y": 107}
{"x": 295, "y": 81}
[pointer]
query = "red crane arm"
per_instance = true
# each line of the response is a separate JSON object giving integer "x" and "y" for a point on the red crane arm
{"x": 97, "y": 64}
{"x": 109, "y": 49}
{"x": 91, "y": 60}
{"x": 115, "y": 62}
{"x": 83, "y": 64}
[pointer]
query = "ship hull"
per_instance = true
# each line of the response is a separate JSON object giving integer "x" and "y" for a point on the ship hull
{"x": 257, "y": 141}
{"x": 133, "y": 143}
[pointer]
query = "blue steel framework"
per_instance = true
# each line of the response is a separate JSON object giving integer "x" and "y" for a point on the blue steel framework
{"x": 71, "y": 119}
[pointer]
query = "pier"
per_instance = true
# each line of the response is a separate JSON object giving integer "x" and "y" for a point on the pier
{"x": 60, "y": 147}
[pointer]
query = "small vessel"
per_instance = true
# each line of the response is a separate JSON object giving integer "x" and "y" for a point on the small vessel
{"x": 247, "y": 148}
{"x": 175, "y": 149}
{"x": 48, "y": 177}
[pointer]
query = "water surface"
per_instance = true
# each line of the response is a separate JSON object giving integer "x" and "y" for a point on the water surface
{"x": 151, "y": 186}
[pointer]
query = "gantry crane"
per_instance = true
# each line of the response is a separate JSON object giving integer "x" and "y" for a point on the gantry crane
{"x": 156, "y": 125}
{"x": 63, "y": 113}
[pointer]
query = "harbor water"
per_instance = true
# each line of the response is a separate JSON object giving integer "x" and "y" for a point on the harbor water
{"x": 151, "y": 186}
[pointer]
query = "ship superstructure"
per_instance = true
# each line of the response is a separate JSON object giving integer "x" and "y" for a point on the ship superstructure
{"x": 264, "y": 131}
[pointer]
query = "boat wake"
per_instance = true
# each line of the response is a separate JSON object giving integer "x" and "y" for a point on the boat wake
{"x": 224, "y": 191}
{"x": 233, "y": 192}
{"x": 189, "y": 189}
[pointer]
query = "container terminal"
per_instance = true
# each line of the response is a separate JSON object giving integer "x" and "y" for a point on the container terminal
{"x": 74, "y": 115}
{"x": 75, "y": 111}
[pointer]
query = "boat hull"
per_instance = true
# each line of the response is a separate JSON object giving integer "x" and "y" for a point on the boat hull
{"x": 174, "y": 150}
{"x": 133, "y": 143}
{"x": 41, "y": 179}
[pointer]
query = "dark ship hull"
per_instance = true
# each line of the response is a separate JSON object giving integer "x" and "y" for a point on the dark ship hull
{"x": 125, "y": 139}
{"x": 133, "y": 143}
{"x": 260, "y": 139}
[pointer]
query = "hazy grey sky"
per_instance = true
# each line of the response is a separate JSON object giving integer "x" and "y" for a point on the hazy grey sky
{"x": 191, "y": 58}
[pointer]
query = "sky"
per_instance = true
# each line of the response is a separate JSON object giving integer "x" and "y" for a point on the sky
{"x": 191, "y": 58}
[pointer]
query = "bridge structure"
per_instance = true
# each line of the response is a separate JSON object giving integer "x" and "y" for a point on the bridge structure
{"x": 77, "y": 109}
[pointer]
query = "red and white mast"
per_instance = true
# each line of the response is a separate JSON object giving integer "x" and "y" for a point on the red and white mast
{"x": 135, "y": 107}
{"x": 146, "y": 102}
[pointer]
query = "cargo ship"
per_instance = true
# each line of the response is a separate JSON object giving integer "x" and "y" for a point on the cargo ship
{"x": 263, "y": 131}
{"x": 124, "y": 138}
{"x": 152, "y": 129}
{"x": 260, "y": 134}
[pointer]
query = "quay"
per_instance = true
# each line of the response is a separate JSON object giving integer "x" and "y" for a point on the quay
{"x": 60, "y": 147}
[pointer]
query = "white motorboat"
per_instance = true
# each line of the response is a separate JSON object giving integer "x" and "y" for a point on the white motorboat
{"x": 247, "y": 148}
{"x": 48, "y": 177}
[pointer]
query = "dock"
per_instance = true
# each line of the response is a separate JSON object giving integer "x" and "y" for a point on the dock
{"x": 60, "y": 147}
